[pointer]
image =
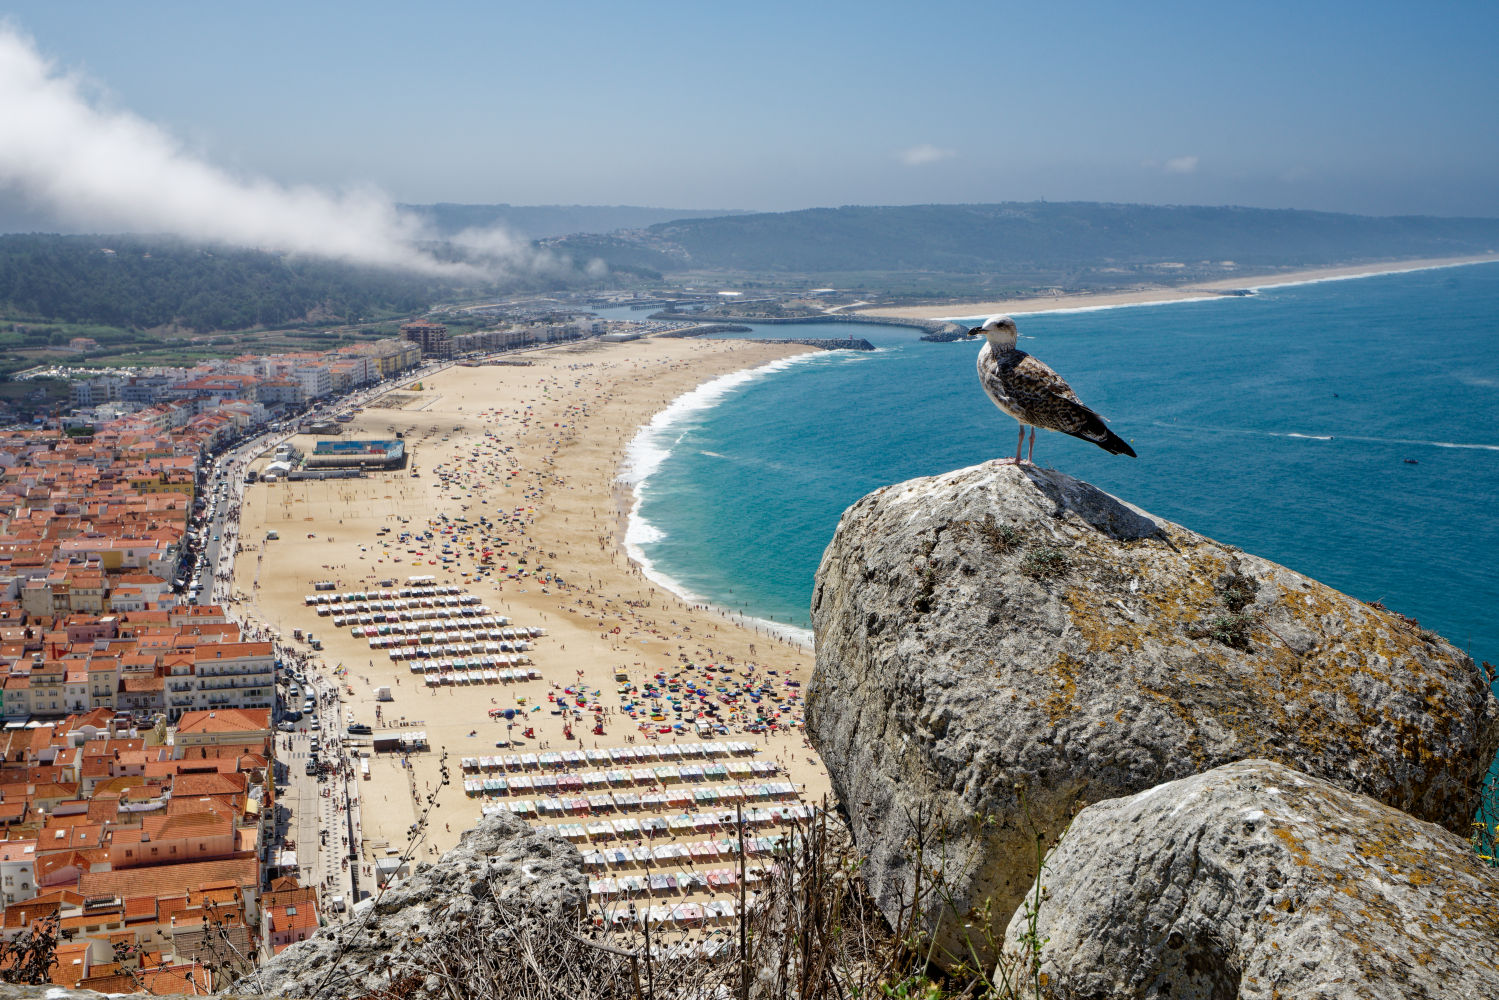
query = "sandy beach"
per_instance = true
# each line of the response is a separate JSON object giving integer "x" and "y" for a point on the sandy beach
{"x": 535, "y": 449}
{"x": 1165, "y": 293}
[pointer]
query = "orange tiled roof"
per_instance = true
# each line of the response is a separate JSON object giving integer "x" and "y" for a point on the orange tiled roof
{"x": 292, "y": 917}
{"x": 140, "y": 908}
{"x": 72, "y": 963}
{"x": 203, "y": 822}
{"x": 17, "y": 850}
{"x": 31, "y": 910}
{"x": 104, "y": 810}
{"x": 174, "y": 980}
{"x": 220, "y": 783}
{"x": 167, "y": 880}
{"x": 166, "y": 768}
{"x": 226, "y": 720}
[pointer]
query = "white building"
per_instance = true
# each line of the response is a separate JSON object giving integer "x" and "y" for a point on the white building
{"x": 316, "y": 380}
{"x": 17, "y": 871}
{"x": 234, "y": 675}
{"x": 93, "y": 391}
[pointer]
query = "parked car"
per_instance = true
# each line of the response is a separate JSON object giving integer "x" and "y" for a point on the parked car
{"x": 360, "y": 729}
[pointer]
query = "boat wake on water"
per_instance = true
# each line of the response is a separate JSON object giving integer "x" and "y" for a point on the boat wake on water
{"x": 1360, "y": 438}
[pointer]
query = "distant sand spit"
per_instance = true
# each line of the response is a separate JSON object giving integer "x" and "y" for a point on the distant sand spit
{"x": 1155, "y": 295}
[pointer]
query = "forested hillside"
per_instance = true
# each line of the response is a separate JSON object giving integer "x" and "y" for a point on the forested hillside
{"x": 143, "y": 283}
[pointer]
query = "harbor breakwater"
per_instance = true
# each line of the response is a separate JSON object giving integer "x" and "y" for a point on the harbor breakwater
{"x": 824, "y": 343}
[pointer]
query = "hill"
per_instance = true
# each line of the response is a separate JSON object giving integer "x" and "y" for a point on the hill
{"x": 901, "y": 253}
{"x": 1082, "y": 244}
{"x": 145, "y": 282}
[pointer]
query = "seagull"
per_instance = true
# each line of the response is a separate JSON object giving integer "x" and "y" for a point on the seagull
{"x": 1035, "y": 395}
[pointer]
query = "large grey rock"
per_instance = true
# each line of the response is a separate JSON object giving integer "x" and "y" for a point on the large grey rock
{"x": 1253, "y": 880}
{"x": 999, "y": 646}
{"x": 534, "y": 873}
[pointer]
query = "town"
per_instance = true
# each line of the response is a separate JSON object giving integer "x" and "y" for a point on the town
{"x": 150, "y": 823}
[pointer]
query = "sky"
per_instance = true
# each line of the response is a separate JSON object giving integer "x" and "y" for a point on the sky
{"x": 338, "y": 108}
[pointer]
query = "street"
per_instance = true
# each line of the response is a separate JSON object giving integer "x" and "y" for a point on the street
{"x": 310, "y": 807}
{"x": 320, "y": 806}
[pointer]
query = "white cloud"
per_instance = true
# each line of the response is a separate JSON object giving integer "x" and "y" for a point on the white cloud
{"x": 924, "y": 153}
{"x": 1181, "y": 165}
{"x": 109, "y": 169}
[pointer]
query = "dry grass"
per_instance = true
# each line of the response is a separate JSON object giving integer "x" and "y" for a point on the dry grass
{"x": 813, "y": 932}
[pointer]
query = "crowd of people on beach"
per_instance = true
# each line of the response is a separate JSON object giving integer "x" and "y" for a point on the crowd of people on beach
{"x": 715, "y": 695}
{"x": 470, "y": 504}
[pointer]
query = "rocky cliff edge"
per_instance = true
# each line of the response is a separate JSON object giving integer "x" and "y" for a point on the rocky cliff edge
{"x": 1255, "y": 881}
{"x": 503, "y": 874}
{"x": 1003, "y": 645}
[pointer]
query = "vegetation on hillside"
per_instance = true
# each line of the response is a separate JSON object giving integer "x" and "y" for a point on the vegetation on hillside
{"x": 140, "y": 300}
{"x": 141, "y": 283}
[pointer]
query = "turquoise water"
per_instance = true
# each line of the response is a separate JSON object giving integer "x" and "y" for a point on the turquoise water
{"x": 1280, "y": 423}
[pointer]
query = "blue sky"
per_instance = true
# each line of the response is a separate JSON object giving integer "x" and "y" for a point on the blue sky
{"x": 1371, "y": 107}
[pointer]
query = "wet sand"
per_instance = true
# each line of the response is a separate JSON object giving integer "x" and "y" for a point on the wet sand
{"x": 566, "y": 419}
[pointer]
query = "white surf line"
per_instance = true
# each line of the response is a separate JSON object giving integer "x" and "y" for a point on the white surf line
{"x": 649, "y": 449}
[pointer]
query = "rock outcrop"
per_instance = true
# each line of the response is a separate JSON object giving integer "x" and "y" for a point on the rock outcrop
{"x": 1254, "y": 880}
{"x": 532, "y": 873}
{"x": 1000, "y": 646}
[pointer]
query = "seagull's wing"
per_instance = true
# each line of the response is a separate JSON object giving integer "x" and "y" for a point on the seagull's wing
{"x": 1036, "y": 379}
{"x": 1050, "y": 402}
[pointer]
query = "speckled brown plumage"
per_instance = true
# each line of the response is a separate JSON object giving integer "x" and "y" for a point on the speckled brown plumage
{"x": 1029, "y": 391}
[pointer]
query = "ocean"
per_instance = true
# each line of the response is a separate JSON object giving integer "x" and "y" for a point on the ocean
{"x": 1281, "y": 422}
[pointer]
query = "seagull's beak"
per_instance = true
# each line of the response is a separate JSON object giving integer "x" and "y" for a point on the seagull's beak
{"x": 974, "y": 332}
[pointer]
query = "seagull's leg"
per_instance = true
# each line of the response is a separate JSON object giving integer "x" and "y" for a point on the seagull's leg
{"x": 1018, "y": 444}
{"x": 1032, "y": 450}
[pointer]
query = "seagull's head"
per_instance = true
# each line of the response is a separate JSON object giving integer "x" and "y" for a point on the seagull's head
{"x": 1000, "y": 330}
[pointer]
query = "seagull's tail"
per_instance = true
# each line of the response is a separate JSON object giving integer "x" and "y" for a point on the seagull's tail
{"x": 1095, "y": 430}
